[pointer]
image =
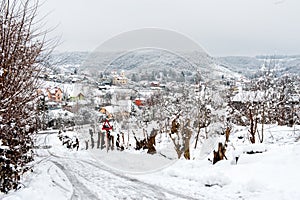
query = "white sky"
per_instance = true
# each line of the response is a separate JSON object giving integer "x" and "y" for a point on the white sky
{"x": 221, "y": 27}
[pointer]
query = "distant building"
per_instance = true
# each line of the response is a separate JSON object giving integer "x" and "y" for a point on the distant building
{"x": 119, "y": 79}
{"x": 76, "y": 96}
{"x": 104, "y": 110}
{"x": 140, "y": 102}
{"x": 154, "y": 84}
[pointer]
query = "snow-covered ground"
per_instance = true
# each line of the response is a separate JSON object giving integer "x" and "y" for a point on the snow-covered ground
{"x": 60, "y": 173}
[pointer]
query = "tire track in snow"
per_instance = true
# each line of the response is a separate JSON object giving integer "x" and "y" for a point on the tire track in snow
{"x": 113, "y": 185}
{"x": 133, "y": 185}
{"x": 151, "y": 186}
{"x": 80, "y": 191}
{"x": 54, "y": 181}
{"x": 111, "y": 182}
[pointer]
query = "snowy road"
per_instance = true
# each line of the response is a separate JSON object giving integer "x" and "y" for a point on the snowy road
{"x": 92, "y": 180}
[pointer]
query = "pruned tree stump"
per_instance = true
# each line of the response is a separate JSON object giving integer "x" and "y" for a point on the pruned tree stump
{"x": 220, "y": 154}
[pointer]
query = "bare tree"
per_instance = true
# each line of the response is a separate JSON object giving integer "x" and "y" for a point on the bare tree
{"x": 22, "y": 50}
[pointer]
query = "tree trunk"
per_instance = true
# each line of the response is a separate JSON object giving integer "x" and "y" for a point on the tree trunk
{"x": 102, "y": 140}
{"x": 261, "y": 138}
{"x": 220, "y": 154}
{"x": 197, "y": 137}
{"x": 151, "y": 143}
{"x": 187, "y": 152}
{"x": 98, "y": 140}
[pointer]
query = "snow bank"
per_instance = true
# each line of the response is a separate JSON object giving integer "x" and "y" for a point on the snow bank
{"x": 47, "y": 182}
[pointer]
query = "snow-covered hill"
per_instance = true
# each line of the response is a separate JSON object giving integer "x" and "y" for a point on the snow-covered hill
{"x": 249, "y": 65}
{"x": 159, "y": 64}
{"x": 139, "y": 59}
{"x": 65, "y": 62}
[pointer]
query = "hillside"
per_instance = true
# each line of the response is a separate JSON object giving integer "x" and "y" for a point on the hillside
{"x": 249, "y": 65}
{"x": 154, "y": 64}
{"x": 158, "y": 60}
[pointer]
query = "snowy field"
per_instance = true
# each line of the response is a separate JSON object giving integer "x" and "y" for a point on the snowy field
{"x": 63, "y": 174}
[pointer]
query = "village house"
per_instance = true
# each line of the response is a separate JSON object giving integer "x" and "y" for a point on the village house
{"x": 154, "y": 84}
{"x": 55, "y": 94}
{"x": 140, "y": 102}
{"x": 119, "y": 79}
{"x": 123, "y": 109}
{"x": 76, "y": 97}
{"x": 74, "y": 93}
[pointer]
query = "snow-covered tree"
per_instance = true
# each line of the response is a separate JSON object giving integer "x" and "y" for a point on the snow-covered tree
{"x": 271, "y": 99}
{"x": 202, "y": 111}
{"x": 21, "y": 51}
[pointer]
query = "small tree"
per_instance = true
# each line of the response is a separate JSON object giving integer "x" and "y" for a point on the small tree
{"x": 180, "y": 109}
{"x": 202, "y": 112}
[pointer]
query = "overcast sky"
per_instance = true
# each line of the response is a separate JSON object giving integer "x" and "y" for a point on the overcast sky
{"x": 221, "y": 27}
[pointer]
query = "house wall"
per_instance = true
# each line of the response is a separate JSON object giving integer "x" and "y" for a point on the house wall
{"x": 57, "y": 96}
{"x": 120, "y": 80}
